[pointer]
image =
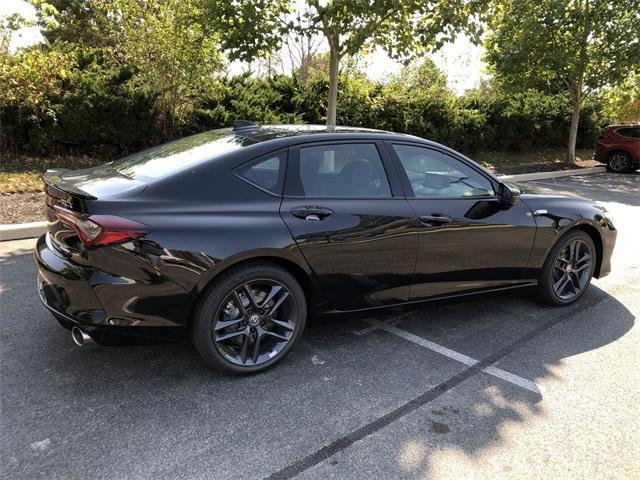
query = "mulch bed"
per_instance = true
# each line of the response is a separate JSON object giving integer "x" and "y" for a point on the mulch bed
{"x": 543, "y": 167}
{"x": 22, "y": 207}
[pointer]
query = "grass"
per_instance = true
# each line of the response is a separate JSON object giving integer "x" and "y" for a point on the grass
{"x": 23, "y": 174}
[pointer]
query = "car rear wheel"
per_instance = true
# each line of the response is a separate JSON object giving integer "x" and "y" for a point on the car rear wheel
{"x": 249, "y": 319}
{"x": 568, "y": 269}
{"x": 619, "y": 162}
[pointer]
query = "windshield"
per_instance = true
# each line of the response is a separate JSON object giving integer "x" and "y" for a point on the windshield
{"x": 169, "y": 158}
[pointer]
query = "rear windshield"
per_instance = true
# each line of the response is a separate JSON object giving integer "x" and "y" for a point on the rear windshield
{"x": 169, "y": 158}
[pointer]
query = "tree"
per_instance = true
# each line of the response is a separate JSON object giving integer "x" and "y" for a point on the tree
{"x": 174, "y": 53}
{"x": 9, "y": 26}
{"x": 622, "y": 103}
{"x": 79, "y": 22}
{"x": 165, "y": 46}
{"x": 583, "y": 45}
{"x": 403, "y": 28}
{"x": 302, "y": 45}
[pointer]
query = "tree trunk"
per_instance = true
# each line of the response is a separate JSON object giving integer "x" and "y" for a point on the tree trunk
{"x": 573, "y": 131}
{"x": 334, "y": 64}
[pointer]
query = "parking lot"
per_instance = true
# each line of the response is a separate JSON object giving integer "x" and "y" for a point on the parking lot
{"x": 496, "y": 387}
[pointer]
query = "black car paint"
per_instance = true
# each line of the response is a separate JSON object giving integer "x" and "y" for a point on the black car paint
{"x": 369, "y": 253}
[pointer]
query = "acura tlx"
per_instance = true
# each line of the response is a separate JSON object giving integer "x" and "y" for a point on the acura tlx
{"x": 233, "y": 237}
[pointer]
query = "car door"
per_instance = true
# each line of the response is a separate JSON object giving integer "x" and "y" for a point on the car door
{"x": 468, "y": 240}
{"x": 352, "y": 222}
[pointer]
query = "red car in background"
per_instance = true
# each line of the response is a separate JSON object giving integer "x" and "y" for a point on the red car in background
{"x": 619, "y": 147}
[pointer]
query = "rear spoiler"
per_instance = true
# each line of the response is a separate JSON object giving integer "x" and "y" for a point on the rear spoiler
{"x": 53, "y": 178}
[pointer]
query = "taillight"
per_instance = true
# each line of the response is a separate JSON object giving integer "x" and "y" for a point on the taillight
{"x": 99, "y": 230}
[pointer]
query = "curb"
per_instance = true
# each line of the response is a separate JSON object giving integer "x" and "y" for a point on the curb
{"x": 35, "y": 229}
{"x": 556, "y": 174}
{"x": 22, "y": 230}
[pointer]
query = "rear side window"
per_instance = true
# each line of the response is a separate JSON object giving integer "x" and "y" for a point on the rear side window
{"x": 265, "y": 172}
{"x": 350, "y": 170}
{"x": 169, "y": 158}
{"x": 629, "y": 132}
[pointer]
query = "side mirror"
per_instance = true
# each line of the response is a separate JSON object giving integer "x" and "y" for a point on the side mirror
{"x": 508, "y": 195}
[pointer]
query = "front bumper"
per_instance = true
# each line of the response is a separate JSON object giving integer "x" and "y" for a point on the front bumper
{"x": 609, "y": 235}
{"x": 107, "y": 305}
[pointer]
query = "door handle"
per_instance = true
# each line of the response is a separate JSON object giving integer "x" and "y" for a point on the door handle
{"x": 311, "y": 212}
{"x": 435, "y": 220}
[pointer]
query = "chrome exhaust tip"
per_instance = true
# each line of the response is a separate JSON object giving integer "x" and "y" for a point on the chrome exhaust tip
{"x": 80, "y": 337}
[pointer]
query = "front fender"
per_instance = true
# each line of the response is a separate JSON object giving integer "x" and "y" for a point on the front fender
{"x": 556, "y": 215}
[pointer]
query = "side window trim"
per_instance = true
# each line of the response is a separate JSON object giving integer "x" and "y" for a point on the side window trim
{"x": 387, "y": 165}
{"x": 406, "y": 184}
{"x": 284, "y": 157}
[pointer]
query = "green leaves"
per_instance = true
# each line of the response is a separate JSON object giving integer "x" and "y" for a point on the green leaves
{"x": 577, "y": 44}
{"x": 249, "y": 29}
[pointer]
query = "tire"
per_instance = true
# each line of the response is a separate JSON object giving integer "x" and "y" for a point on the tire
{"x": 619, "y": 162}
{"x": 564, "y": 268}
{"x": 256, "y": 312}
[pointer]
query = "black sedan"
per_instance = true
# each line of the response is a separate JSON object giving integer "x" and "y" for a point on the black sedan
{"x": 233, "y": 237}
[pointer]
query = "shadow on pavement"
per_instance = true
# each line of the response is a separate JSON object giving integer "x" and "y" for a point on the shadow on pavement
{"x": 608, "y": 187}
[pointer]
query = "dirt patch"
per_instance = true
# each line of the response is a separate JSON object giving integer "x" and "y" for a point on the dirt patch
{"x": 22, "y": 207}
{"x": 542, "y": 167}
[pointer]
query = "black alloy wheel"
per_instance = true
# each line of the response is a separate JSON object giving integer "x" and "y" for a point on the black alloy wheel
{"x": 250, "y": 319}
{"x": 571, "y": 270}
{"x": 619, "y": 162}
{"x": 255, "y": 322}
{"x": 568, "y": 269}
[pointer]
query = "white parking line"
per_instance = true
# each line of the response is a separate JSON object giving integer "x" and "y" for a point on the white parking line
{"x": 447, "y": 352}
{"x": 393, "y": 321}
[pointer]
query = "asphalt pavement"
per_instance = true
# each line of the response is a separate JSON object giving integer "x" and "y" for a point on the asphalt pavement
{"x": 497, "y": 387}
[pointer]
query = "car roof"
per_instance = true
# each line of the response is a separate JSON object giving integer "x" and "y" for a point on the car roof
{"x": 262, "y": 133}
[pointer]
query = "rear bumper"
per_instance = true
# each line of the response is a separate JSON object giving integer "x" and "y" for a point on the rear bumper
{"x": 599, "y": 157}
{"x": 101, "y": 303}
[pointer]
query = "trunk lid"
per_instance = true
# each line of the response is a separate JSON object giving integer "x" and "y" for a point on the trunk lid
{"x": 77, "y": 191}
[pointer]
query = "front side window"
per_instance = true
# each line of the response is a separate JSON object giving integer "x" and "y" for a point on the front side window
{"x": 343, "y": 170}
{"x": 264, "y": 172}
{"x": 435, "y": 174}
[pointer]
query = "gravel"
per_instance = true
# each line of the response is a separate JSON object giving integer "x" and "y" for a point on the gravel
{"x": 22, "y": 207}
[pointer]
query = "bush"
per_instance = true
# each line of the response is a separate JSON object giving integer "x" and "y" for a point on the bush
{"x": 78, "y": 103}
{"x": 68, "y": 103}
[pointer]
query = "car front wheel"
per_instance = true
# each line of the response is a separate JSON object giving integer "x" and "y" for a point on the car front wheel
{"x": 249, "y": 319}
{"x": 568, "y": 269}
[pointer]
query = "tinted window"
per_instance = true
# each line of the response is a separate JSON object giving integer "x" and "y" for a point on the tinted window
{"x": 629, "y": 132}
{"x": 625, "y": 132}
{"x": 435, "y": 174}
{"x": 163, "y": 160}
{"x": 345, "y": 170}
{"x": 264, "y": 172}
